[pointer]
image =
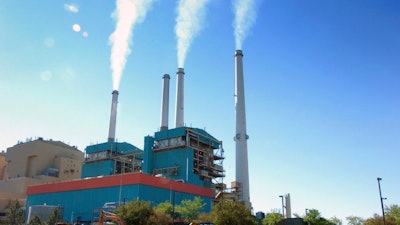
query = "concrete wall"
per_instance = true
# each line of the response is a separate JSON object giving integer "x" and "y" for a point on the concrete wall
{"x": 6, "y": 198}
{"x": 19, "y": 185}
{"x": 2, "y": 165}
{"x": 13, "y": 189}
{"x": 25, "y": 164}
{"x": 33, "y": 158}
{"x": 69, "y": 168}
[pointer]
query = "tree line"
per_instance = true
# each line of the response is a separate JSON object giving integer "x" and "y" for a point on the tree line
{"x": 188, "y": 211}
{"x": 224, "y": 212}
{"x": 15, "y": 216}
{"x": 141, "y": 213}
{"x": 313, "y": 217}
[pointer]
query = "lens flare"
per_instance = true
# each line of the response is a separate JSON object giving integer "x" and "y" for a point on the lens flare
{"x": 76, "y": 27}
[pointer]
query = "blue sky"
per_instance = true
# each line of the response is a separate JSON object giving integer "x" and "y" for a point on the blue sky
{"x": 322, "y": 81}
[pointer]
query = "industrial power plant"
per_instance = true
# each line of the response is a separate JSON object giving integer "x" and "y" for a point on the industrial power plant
{"x": 199, "y": 112}
{"x": 175, "y": 164}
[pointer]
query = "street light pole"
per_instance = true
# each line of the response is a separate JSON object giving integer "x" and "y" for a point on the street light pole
{"x": 380, "y": 194}
{"x": 283, "y": 207}
{"x": 173, "y": 206}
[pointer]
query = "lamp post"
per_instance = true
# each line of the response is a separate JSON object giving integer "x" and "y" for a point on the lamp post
{"x": 125, "y": 200}
{"x": 283, "y": 206}
{"x": 380, "y": 194}
{"x": 173, "y": 206}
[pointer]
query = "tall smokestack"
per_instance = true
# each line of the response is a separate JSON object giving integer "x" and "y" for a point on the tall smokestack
{"x": 288, "y": 206}
{"x": 113, "y": 117}
{"x": 179, "y": 99}
{"x": 242, "y": 169}
{"x": 165, "y": 103}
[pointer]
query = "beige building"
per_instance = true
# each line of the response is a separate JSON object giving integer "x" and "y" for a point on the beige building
{"x": 36, "y": 162}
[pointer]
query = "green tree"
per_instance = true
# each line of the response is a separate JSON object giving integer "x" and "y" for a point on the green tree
{"x": 135, "y": 212}
{"x": 335, "y": 220}
{"x": 15, "y": 215}
{"x": 159, "y": 218}
{"x": 313, "y": 217}
{"x": 54, "y": 217}
{"x": 232, "y": 213}
{"x": 378, "y": 220}
{"x": 354, "y": 220}
{"x": 205, "y": 217}
{"x": 394, "y": 212}
{"x": 272, "y": 218}
{"x": 165, "y": 207}
{"x": 191, "y": 209}
{"x": 35, "y": 221}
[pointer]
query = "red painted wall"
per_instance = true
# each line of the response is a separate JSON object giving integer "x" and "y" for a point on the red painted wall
{"x": 117, "y": 180}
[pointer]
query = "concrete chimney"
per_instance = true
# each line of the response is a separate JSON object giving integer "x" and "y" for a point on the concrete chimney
{"x": 113, "y": 117}
{"x": 179, "y": 98}
{"x": 242, "y": 169}
{"x": 165, "y": 103}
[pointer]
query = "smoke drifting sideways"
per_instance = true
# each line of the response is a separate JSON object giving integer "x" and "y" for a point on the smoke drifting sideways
{"x": 127, "y": 14}
{"x": 190, "y": 16}
{"x": 245, "y": 16}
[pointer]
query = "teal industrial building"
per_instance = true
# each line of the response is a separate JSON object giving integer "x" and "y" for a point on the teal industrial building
{"x": 175, "y": 164}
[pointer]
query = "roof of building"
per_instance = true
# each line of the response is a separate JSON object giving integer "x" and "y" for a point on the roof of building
{"x": 50, "y": 141}
{"x": 120, "y": 147}
{"x": 182, "y": 131}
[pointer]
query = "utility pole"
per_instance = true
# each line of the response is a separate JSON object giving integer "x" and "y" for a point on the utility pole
{"x": 380, "y": 194}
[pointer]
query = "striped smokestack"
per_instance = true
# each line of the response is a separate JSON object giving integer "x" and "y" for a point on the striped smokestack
{"x": 242, "y": 169}
{"x": 179, "y": 98}
{"x": 165, "y": 103}
{"x": 113, "y": 117}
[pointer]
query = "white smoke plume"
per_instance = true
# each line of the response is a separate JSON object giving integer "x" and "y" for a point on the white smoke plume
{"x": 188, "y": 25}
{"x": 245, "y": 16}
{"x": 127, "y": 14}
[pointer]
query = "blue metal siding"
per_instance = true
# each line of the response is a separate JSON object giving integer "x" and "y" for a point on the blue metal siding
{"x": 120, "y": 147}
{"x": 82, "y": 203}
{"x": 176, "y": 132}
{"x": 147, "y": 166}
{"x": 98, "y": 168}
